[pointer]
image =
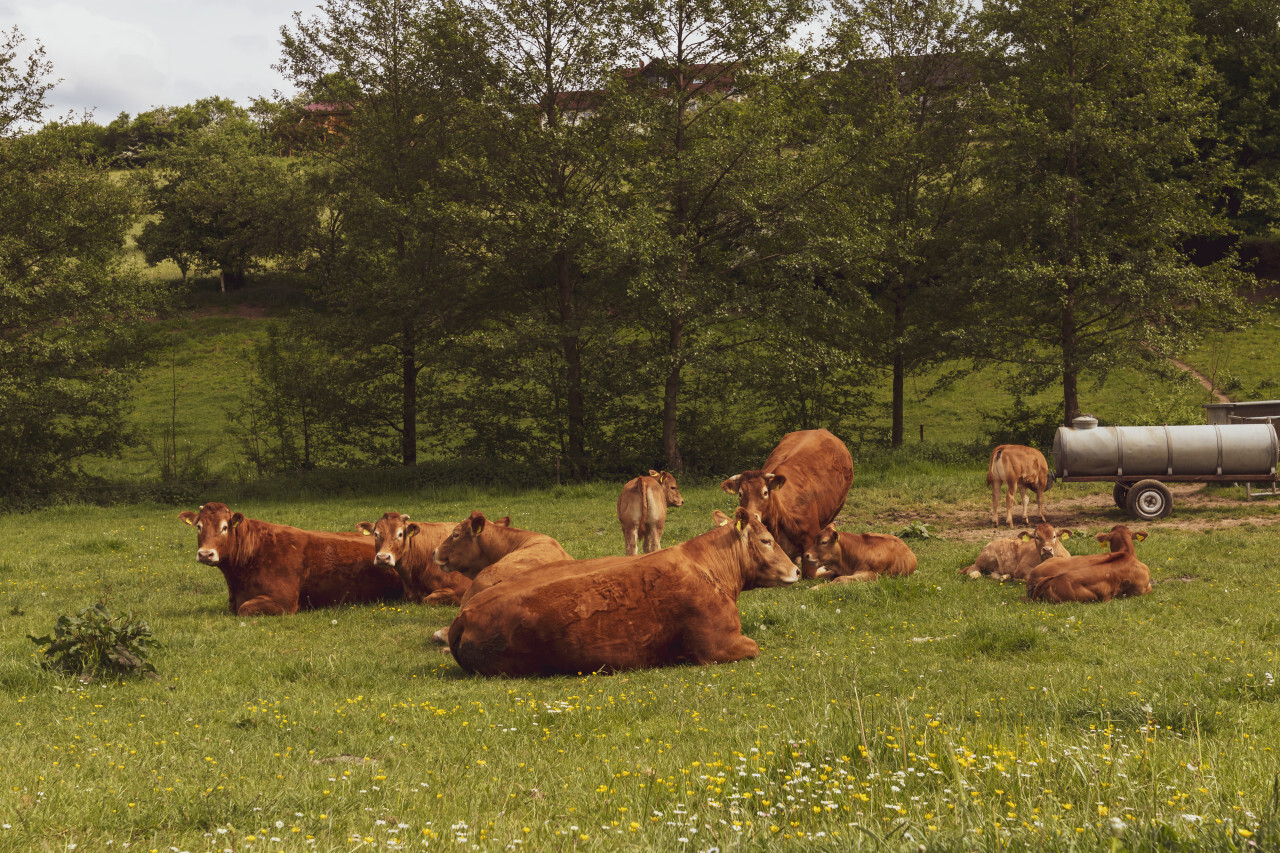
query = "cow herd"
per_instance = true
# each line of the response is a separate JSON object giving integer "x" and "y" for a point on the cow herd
{"x": 526, "y": 607}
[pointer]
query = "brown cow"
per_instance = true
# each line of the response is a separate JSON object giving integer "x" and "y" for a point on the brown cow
{"x": 671, "y": 606}
{"x": 272, "y": 569}
{"x": 642, "y": 506}
{"x": 1013, "y": 558}
{"x": 800, "y": 490}
{"x": 407, "y": 547}
{"x": 1016, "y": 467}
{"x": 848, "y": 557}
{"x": 490, "y": 554}
{"x": 1093, "y": 577}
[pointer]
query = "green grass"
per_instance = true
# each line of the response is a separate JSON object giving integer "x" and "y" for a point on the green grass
{"x": 929, "y": 711}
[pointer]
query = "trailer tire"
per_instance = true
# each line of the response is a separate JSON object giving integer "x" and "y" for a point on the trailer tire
{"x": 1120, "y": 494}
{"x": 1149, "y": 500}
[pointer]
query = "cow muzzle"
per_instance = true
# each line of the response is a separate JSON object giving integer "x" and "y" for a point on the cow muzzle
{"x": 208, "y": 556}
{"x": 384, "y": 559}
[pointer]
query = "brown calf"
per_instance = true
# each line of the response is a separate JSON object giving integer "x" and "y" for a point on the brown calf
{"x": 1013, "y": 558}
{"x": 848, "y": 557}
{"x": 407, "y": 547}
{"x": 1017, "y": 468}
{"x": 1093, "y": 577}
{"x": 671, "y": 606}
{"x": 642, "y": 507}
{"x": 800, "y": 490}
{"x": 272, "y": 569}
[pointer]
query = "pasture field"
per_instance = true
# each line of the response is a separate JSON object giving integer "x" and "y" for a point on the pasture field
{"x": 931, "y": 712}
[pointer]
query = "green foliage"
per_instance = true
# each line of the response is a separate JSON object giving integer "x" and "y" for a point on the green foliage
{"x": 915, "y": 530}
{"x": 97, "y": 643}
{"x": 1032, "y": 424}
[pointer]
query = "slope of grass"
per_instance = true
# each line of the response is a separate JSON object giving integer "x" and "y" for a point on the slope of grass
{"x": 929, "y": 711}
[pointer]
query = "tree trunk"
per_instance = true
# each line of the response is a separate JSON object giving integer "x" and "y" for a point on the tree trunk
{"x": 671, "y": 397}
{"x": 409, "y": 372}
{"x": 899, "y": 365}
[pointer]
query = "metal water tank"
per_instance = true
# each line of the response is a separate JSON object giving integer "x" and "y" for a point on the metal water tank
{"x": 1166, "y": 452}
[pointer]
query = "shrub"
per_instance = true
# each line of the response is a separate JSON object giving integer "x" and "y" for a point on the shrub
{"x": 97, "y": 643}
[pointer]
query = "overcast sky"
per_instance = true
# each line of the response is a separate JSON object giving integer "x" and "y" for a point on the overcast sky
{"x": 118, "y": 56}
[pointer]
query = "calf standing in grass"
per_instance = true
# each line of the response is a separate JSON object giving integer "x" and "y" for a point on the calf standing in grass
{"x": 642, "y": 507}
{"x": 849, "y": 557}
{"x": 1093, "y": 577}
{"x": 1013, "y": 558}
{"x": 1017, "y": 468}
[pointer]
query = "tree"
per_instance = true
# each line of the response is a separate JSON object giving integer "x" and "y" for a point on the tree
{"x": 902, "y": 117}
{"x": 1090, "y": 187}
{"x": 718, "y": 179}
{"x": 224, "y": 204}
{"x": 70, "y": 336}
{"x": 394, "y": 264}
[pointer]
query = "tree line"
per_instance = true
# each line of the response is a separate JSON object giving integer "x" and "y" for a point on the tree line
{"x": 629, "y": 233}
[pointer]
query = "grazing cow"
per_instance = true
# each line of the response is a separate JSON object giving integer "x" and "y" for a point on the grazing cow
{"x": 1093, "y": 577}
{"x": 1016, "y": 467}
{"x": 848, "y": 557}
{"x": 1013, "y": 558}
{"x": 799, "y": 491}
{"x": 273, "y": 569}
{"x": 490, "y": 554}
{"x": 672, "y": 606}
{"x": 642, "y": 506}
{"x": 407, "y": 547}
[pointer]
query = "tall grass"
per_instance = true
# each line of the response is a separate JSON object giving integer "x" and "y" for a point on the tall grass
{"x": 930, "y": 711}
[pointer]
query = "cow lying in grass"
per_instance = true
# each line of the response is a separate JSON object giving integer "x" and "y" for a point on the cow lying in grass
{"x": 677, "y": 605}
{"x": 851, "y": 557}
{"x": 407, "y": 546}
{"x": 1014, "y": 557}
{"x": 1093, "y": 577}
{"x": 272, "y": 569}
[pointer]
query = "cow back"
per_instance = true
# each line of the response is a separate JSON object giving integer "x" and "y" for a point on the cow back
{"x": 325, "y": 569}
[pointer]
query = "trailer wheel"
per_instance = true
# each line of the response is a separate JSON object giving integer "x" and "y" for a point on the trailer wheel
{"x": 1149, "y": 500}
{"x": 1120, "y": 494}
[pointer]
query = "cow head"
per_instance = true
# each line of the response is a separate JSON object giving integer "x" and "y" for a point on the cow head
{"x": 765, "y": 563}
{"x": 391, "y": 535}
{"x": 754, "y": 489}
{"x": 669, "y": 488}
{"x": 1046, "y": 539}
{"x": 824, "y": 550}
{"x": 461, "y": 550}
{"x": 1121, "y": 538}
{"x": 213, "y": 523}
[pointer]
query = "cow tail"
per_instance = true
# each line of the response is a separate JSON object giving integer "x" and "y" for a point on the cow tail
{"x": 994, "y": 472}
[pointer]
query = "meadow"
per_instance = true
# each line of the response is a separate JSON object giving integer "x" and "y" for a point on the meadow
{"x": 931, "y": 712}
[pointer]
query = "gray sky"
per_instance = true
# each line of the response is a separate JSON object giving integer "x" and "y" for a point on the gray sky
{"x": 118, "y": 56}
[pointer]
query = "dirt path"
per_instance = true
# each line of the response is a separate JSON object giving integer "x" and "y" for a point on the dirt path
{"x": 1203, "y": 380}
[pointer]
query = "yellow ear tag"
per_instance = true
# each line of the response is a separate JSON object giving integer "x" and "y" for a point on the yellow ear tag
{"x": 738, "y": 524}
{"x": 1066, "y": 534}
{"x": 1141, "y": 537}
{"x": 364, "y": 532}
{"x": 1025, "y": 538}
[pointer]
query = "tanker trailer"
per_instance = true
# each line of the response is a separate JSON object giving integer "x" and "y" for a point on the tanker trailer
{"x": 1141, "y": 459}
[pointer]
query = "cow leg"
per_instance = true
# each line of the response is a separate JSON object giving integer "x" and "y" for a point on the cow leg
{"x": 652, "y": 538}
{"x": 444, "y": 597}
{"x": 262, "y": 606}
{"x": 1040, "y": 502}
{"x": 1009, "y": 496}
{"x": 1026, "y": 503}
{"x": 629, "y": 537}
{"x": 723, "y": 649}
{"x": 857, "y": 577}
{"x": 995, "y": 504}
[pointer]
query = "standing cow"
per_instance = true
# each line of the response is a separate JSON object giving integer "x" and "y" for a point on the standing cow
{"x": 1017, "y": 468}
{"x": 677, "y": 605}
{"x": 272, "y": 569}
{"x": 800, "y": 490}
{"x": 642, "y": 507}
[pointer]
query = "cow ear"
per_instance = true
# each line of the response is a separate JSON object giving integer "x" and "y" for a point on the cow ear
{"x": 188, "y": 518}
{"x": 477, "y": 523}
{"x": 1140, "y": 536}
{"x": 1064, "y": 533}
{"x": 776, "y": 481}
{"x": 741, "y": 519}
{"x": 658, "y": 474}
{"x": 412, "y": 529}
{"x": 365, "y": 527}
{"x": 731, "y": 485}
{"x": 1103, "y": 537}
{"x": 505, "y": 521}
{"x": 236, "y": 519}
{"x": 720, "y": 518}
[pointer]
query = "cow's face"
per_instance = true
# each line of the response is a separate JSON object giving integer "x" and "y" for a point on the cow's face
{"x": 214, "y": 523}
{"x": 754, "y": 489}
{"x": 766, "y": 564}
{"x": 461, "y": 550}
{"x": 391, "y": 535}
{"x": 1046, "y": 539}
{"x": 1121, "y": 538}
{"x": 669, "y": 488}
{"x": 824, "y": 550}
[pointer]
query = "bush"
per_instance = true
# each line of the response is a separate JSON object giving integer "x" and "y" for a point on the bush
{"x": 97, "y": 643}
